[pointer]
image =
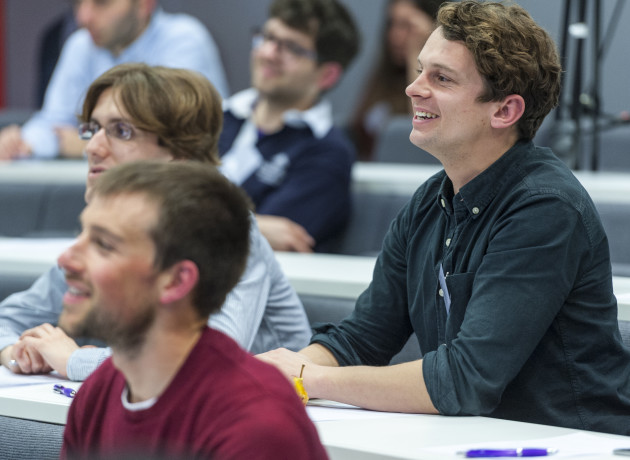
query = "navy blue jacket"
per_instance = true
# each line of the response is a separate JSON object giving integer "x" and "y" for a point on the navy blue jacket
{"x": 303, "y": 177}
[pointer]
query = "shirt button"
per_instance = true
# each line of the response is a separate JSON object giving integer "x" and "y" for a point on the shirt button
{"x": 475, "y": 210}
{"x": 441, "y": 292}
{"x": 443, "y": 202}
{"x": 448, "y": 242}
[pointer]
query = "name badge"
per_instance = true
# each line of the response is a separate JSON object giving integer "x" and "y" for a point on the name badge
{"x": 446, "y": 295}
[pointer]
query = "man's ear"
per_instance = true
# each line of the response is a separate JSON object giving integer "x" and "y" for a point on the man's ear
{"x": 510, "y": 110}
{"x": 178, "y": 281}
{"x": 329, "y": 75}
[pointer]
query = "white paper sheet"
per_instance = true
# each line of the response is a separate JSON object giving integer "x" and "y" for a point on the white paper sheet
{"x": 320, "y": 410}
{"x": 9, "y": 379}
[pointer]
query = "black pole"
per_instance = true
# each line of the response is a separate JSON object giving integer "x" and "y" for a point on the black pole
{"x": 595, "y": 109}
{"x": 563, "y": 53}
{"x": 576, "y": 90}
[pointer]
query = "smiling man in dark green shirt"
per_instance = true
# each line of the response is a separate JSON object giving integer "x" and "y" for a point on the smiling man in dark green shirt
{"x": 499, "y": 264}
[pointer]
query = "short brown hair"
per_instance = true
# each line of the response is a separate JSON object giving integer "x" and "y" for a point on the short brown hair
{"x": 203, "y": 218}
{"x": 513, "y": 54}
{"x": 180, "y": 106}
{"x": 327, "y": 21}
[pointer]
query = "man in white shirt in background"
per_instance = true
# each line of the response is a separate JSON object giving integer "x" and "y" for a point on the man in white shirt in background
{"x": 112, "y": 32}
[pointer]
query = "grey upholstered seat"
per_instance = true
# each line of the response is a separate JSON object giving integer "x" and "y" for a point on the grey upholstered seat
{"x": 20, "y": 208}
{"x": 393, "y": 144}
{"x": 322, "y": 309}
{"x": 27, "y": 439}
{"x": 40, "y": 209}
{"x": 370, "y": 219}
{"x": 11, "y": 282}
{"x": 14, "y": 116}
{"x": 624, "y": 329}
{"x": 616, "y": 221}
{"x": 614, "y": 149}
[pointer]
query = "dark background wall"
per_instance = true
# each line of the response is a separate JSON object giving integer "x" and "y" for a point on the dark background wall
{"x": 231, "y": 23}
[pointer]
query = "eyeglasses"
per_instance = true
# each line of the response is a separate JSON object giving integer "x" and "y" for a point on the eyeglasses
{"x": 116, "y": 130}
{"x": 286, "y": 48}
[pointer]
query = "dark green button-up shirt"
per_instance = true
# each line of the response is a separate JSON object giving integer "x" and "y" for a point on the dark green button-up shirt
{"x": 530, "y": 332}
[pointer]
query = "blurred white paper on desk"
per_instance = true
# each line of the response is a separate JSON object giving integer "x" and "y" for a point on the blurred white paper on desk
{"x": 321, "y": 410}
{"x": 9, "y": 379}
{"x": 568, "y": 446}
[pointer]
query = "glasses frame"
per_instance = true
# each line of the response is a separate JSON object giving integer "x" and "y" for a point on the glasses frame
{"x": 286, "y": 48}
{"x": 121, "y": 130}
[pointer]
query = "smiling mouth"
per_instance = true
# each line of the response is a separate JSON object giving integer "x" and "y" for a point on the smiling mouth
{"x": 96, "y": 171}
{"x": 419, "y": 115}
{"x": 75, "y": 296}
{"x": 77, "y": 292}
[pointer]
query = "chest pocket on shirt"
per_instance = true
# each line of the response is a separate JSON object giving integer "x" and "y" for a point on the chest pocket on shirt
{"x": 460, "y": 288}
{"x": 273, "y": 172}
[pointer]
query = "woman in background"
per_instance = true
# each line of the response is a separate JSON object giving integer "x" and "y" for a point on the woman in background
{"x": 409, "y": 24}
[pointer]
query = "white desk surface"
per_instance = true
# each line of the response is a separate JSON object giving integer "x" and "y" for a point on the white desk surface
{"x": 32, "y": 397}
{"x": 434, "y": 437}
{"x": 30, "y": 255}
{"x": 35, "y": 402}
{"x": 406, "y": 178}
{"x": 327, "y": 274}
{"x": 371, "y": 435}
{"x": 366, "y": 176}
{"x": 48, "y": 171}
{"x": 316, "y": 274}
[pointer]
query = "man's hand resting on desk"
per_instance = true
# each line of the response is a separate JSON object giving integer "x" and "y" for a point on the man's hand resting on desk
{"x": 11, "y": 143}
{"x": 395, "y": 388}
{"x": 40, "y": 350}
{"x": 290, "y": 362}
{"x": 17, "y": 358}
{"x": 286, "y": 361}
{"x": 285, "y": 235}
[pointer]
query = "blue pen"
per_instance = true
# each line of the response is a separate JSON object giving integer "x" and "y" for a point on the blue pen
{"x": 520, "y": 452}
{"x": 69, "y": 392}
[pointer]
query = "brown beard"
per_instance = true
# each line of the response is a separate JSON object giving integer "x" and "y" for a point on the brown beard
{"x": 127, "y": 337}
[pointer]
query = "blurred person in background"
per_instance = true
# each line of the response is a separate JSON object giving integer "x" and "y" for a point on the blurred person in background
{"x": 409, "y": 24}
{"x": 112, "y": 32}
{"x": 279, "y": 140}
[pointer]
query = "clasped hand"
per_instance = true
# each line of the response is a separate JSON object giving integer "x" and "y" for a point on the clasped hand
{"x": 40, "y": 350}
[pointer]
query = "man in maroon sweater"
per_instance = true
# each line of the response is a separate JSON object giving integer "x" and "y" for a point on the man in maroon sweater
{"x": 144, "y": 275}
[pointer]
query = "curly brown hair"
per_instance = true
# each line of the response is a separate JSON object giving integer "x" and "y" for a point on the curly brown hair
{"x": 513, "y": 54}
{"x": 180, "y": 106}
